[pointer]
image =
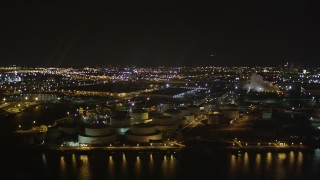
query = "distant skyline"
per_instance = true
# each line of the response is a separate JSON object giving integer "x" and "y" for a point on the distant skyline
{"x": 160, "y": 33}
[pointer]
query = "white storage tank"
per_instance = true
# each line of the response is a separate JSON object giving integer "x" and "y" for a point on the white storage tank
{"x": 83, "y": 139}
{"x": 97, "y": 130}
{"x": 96, "y": 134}
{"x": 143, "y": 129}
{"x": 139, "y": 115}
{"x": 143, "y": 133}
{"x": 164, "y": 123}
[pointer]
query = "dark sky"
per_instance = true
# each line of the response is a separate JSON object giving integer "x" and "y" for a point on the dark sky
{"x": 153, "y": 33}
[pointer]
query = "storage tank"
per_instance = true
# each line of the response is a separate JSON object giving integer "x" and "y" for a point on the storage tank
{"x": 165, "y": 106}
{"x": 229, "y": 107}
{"x": 164, "y": 123}
{"x": 143, "y": 133}
{"x": 102, "y": 140}
{"x": 194, "y": 110}
{"x": 120, "y": 122}
{"x": 139, "y": 114}
{"x": 143, "y": 129}
{"x": 231, "y": 114}
{"x": 215, "y": 119}
{"x": 163, "y": 120}
{"x": 174, "y": 113}
{"x": 96, "y": 134}
{"x": 97, "y": 130}
{"x": 185, "y": 111}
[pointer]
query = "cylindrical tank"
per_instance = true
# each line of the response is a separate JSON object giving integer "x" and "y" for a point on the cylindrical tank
{"x": 120, "y": 122}
{"x": 214, "y": 118}
{"x": 165, "y": 106}
{"x": 167, "y": 127}
{"x": 174, "y": 113}
{"x": 97, "y": 130}
{"x": 185, "y": 111}
{"x": 163, "y": 120}
{"x": 231, "y": 113}
{"x": 83, "y": 139}
{"x": 130, "y": 136}
{"x": 143, "y": 129}
{"x": 139, "y": 115}
{"x": 194, "y": 110}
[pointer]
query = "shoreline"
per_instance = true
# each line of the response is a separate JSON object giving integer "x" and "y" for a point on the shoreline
{"x": 161, "y": 149}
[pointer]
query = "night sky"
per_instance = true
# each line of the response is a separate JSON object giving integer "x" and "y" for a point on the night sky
{"x": 160, "y": 33}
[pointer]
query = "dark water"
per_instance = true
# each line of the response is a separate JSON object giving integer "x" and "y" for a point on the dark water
{"x": 44, "y": 114}
{"x": 147, "y": 165}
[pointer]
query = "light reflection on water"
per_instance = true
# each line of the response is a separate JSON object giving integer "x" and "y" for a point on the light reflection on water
{"x": 137, "y": 167}
{"x": 223, "y": 165}
{"x": 110, "y": 167}
{"x": 278, "y": 165}
{"x": 257, "y": 169}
